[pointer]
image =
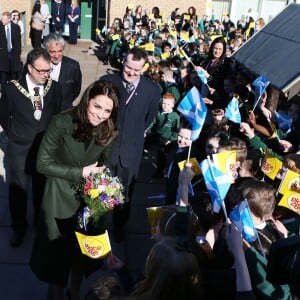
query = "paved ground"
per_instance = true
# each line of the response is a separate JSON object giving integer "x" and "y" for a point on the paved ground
{"x": 16, "y": 280}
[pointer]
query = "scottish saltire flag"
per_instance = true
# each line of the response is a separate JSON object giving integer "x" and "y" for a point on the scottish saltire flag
{"x": 232, "y": 112}
{"x": 192, "y": 39}
{"x": 241, "y": 217}
{"x": 194, "y": 110}
{"x": 284, "y": 120}
{"x": 217, "y": 184}
{"x": 202, "y": 76}
{"x": 260, "y": 85}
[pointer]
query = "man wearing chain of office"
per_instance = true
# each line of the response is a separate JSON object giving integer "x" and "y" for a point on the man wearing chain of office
{"x": 26, "y": 108}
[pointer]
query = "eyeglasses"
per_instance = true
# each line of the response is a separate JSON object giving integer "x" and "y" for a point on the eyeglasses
{"x": 42, "y": 72}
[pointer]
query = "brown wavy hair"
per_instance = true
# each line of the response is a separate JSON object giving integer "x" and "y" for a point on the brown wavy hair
{"x": 106, "y": 131}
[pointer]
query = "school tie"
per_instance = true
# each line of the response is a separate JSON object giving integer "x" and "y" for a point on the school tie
{"x": 37, "y": 104}
{"x": 8, "y": 39}
{"x": 129, "y": 87}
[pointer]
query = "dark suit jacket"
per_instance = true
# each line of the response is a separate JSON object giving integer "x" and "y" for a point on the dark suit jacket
{"x": 16, "y": 118}
{"x": 16, "y": 46}
{"x": 70, "y": 78}
{"x": 133, "y": 119}
{"x": 58, "y": 10}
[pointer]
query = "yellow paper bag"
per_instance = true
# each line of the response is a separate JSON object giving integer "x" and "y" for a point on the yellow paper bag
{"x": 195, "y": 165}
{"x": 291, "y": 200}
{"x": 94, "y": 247}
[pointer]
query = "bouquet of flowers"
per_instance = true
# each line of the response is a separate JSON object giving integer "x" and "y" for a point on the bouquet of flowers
{"x": 99, "y": 193}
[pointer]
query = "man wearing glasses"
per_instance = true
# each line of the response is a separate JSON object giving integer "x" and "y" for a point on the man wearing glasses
{"x": 26, "y": 108}
{"x": 139, "y": 101}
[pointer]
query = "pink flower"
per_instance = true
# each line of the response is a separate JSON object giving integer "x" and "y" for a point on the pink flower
{"x": 104, "y": 182}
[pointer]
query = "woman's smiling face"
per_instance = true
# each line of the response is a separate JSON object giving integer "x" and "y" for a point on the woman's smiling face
{"x": 99, "y": 109}
{"x": 218, "y": 50}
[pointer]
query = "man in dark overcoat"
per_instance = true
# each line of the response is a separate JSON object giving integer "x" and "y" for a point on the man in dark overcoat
{"x": 10, "y": 49}
{"x": 139, "y": 102}
{"x": 65, "y": 70}
{"x": 26, "y": 108}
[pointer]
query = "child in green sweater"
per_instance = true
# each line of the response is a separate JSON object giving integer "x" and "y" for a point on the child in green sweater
{"x": 163, "y": 131}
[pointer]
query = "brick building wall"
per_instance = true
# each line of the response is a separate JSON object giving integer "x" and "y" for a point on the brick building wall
{"x": 117, "y": 7}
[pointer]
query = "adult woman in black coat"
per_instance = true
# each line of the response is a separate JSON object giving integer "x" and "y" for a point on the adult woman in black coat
{"x": 217, "y": 65}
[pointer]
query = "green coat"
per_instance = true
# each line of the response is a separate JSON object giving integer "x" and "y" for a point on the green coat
{"x": 61, "y": 159}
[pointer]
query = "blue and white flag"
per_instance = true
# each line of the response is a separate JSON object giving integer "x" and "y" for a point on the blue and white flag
{"x": 284, "y": 120}
{"x": 202, "y": 76}
{"x": 192, "y": 39}
{"x": 241, "y": 217}
{"x": 260, "y": 85}
{"x": 232, "y": 112}
{"x": 217, "y": 184}
{"x": 194, "y": 110}
{"x": 104, "y": 29}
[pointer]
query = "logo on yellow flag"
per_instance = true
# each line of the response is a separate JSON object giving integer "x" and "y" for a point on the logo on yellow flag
{"x": 94, "y": 247}
{"x": 291, "y": 200}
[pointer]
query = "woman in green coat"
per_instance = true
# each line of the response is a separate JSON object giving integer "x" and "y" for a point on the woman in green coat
{"x": 77, "y": 143}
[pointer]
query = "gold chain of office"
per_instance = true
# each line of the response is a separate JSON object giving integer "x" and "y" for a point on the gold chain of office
{"x": 26, "y": 94}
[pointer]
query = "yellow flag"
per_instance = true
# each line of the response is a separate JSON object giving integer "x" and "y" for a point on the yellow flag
{"x": 149, "y": 47}
{"x": 214, "y": 36}
{"x": 185, "y": 35}
{"x": 115, "y": 37}
{"x": 225, "y": 161}
{"x": 186, "y": 17}
{"x": 151, "y": 16}
{"x": 271, "y": 166}
{"x": 195, "y": 165}
{"x": 165, "y": 55}
{"x": 173, "y": 33}
{"x": 145, "y": 67}
{"x": 153, "y": 214}
{"x": 290, "y": 182}
{"x": 291, "y": 200}
{"x": 94, "y": 247}
{"x": 130, "y": 6}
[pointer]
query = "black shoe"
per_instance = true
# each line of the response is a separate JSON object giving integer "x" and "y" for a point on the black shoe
{"x": 17, "y": 239}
